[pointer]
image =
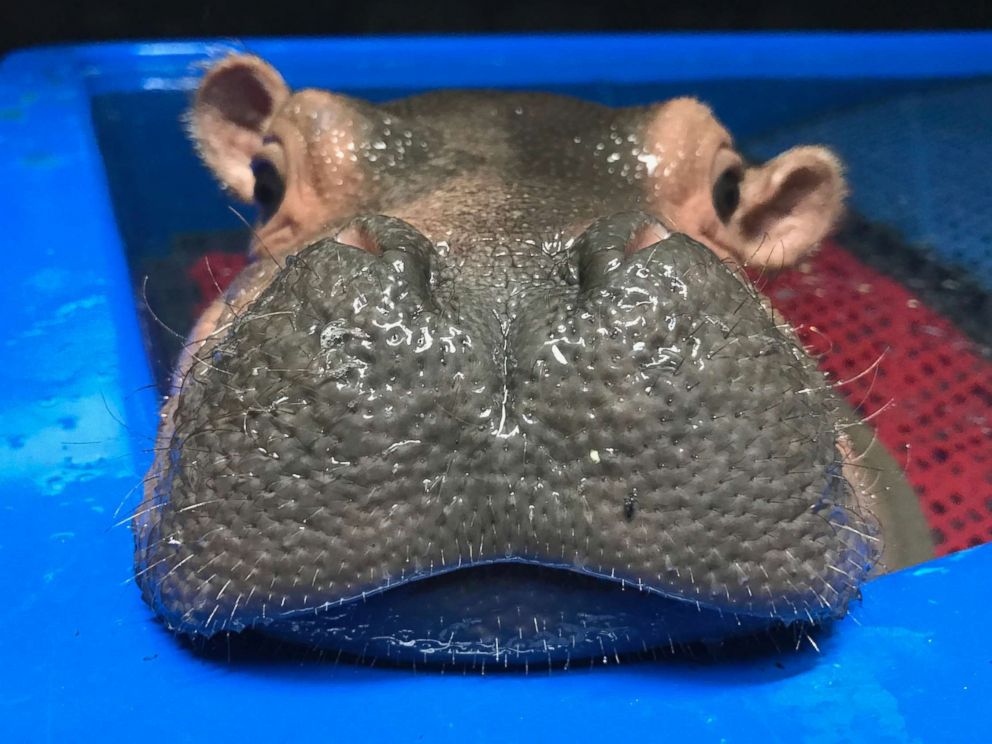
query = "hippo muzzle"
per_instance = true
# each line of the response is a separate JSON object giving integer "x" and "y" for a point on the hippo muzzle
{"x": 573, "y": 450}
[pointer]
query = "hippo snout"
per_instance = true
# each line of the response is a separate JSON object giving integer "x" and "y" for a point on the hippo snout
{"x": 581, "y": 448}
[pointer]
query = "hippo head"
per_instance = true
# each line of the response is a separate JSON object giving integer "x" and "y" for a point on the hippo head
{"x": 491, "y": 390}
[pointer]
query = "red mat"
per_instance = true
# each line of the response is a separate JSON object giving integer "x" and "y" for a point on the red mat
{"x": 917, "y": 379}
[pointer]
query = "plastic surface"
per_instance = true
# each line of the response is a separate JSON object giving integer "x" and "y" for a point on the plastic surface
{"x": 82, "y": 654}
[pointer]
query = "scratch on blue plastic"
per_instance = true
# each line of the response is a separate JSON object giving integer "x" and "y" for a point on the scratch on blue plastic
{"x": 81, "y": 653}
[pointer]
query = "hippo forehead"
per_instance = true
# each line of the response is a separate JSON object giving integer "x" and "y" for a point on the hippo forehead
{"x": 373, "y": 420}
{"x": 474, "y": 170}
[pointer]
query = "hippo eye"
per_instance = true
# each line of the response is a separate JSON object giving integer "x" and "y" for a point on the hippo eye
{"x": 727, "y": 193}
{"x": 269, "y": 187}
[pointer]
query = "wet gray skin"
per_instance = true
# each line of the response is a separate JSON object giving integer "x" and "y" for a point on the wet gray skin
{"x": 499, "y": 435}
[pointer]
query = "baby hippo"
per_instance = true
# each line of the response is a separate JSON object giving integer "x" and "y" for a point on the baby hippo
{"x": 494, "y": 389}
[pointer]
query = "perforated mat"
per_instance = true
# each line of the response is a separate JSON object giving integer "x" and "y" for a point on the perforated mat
{"x": 912, "y": 374}
{"x": 898, "y": 305}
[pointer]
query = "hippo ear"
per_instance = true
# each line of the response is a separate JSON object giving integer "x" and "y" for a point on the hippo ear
{"x": 784, "y": 208}
{"x": 234, "y": 106}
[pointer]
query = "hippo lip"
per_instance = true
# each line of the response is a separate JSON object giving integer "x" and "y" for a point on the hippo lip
{"x": 373, "y": 423}
{"x": 784, "y": 610}
{"x": 512, "y": 614}
{"x": 515, "y": 612}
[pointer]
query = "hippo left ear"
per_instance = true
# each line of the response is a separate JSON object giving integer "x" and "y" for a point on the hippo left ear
{"x": 785, "y": 208}
{"x": 234, "y": 106}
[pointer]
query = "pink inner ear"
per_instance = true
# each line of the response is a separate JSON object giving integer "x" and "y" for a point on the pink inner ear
{"x": 360, "y": 238}
{"x": 647, "y": 235}
{"x": 244, "y": 90}
{"x": 796, "y": 218}
{"x": 793, "y": 203}
{"x": 234, "y": 104}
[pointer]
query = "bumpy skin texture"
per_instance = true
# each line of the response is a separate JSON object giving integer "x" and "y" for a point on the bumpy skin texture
{"x": 500, "y": 381}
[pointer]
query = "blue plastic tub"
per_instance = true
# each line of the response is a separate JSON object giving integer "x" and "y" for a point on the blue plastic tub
{"x": 97, "y": 177}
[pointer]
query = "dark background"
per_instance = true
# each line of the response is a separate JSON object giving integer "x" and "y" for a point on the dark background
{"x": 31, "y": 22}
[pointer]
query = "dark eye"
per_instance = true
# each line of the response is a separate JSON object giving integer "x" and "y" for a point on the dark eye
{"x": 727, "y": 193}
{"x": 269, "y": 187}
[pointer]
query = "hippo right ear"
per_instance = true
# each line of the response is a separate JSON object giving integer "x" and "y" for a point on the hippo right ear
{"x": 233, "y": 108}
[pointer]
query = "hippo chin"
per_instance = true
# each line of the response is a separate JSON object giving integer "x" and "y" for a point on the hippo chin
{"x": 490, "y": 391}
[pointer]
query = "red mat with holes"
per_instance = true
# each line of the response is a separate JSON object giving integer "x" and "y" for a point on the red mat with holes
{"x": 912, "y": 374}
{"x": 908, "y": 371}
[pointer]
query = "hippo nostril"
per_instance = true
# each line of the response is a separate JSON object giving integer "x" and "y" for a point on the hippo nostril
{"x": 379, "y": 234}
{"x": 609, "y": 241}
{"x": 358, "y": 236}
{"x": 396, "y": 241}
{"x": 650, "y": 233}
